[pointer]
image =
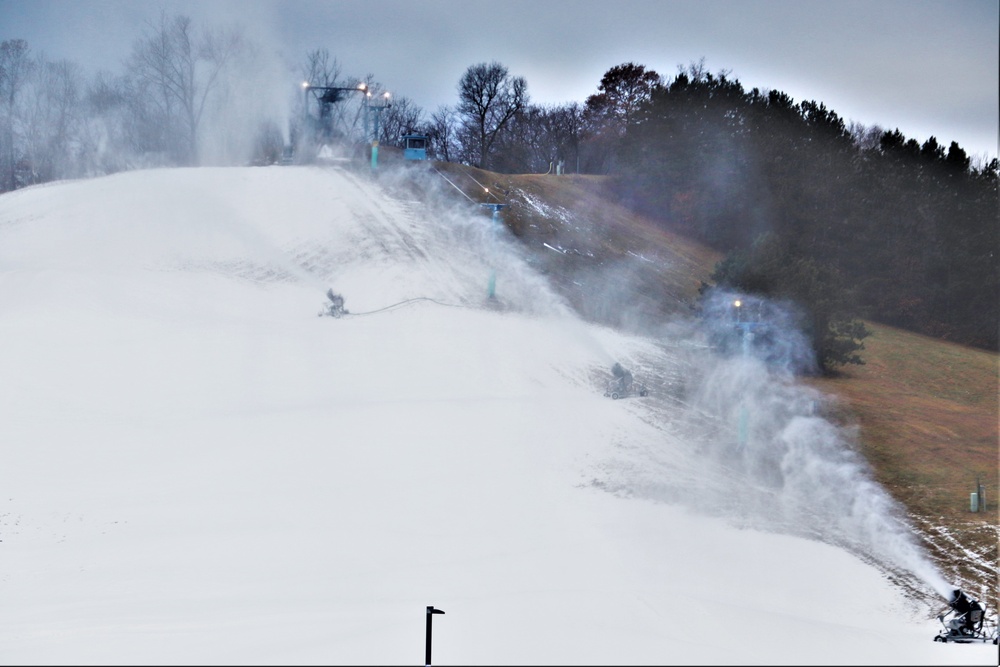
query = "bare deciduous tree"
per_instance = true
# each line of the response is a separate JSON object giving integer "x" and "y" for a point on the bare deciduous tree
{"x": 401, "y": 118}
{"x": 488, "y": 98}
{"x": 108, "y": 131}
{"x": 51, "y": 120}
{"x": 442, "y": 133}
{"x": 540, "y": 139}
{"x": 321, "y": 69}
{"x": 177, "y": 70}
{"x": 865, "y": 137}
{"x": 15, "y": 67}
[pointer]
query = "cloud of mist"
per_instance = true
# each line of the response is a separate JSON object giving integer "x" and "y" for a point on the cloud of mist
{"x": 437, "y": 224}
{"x": 746, "y": 325}
{"x": 255, "y": 93}
{"x": 740, "y": 436}
{"x": 746, "y": 440}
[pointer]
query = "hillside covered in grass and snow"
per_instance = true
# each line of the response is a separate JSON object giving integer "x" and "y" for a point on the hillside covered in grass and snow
{"x": 198, "y": 469}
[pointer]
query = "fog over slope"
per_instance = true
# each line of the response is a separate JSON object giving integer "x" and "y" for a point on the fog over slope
{"x": 198, "y": 469}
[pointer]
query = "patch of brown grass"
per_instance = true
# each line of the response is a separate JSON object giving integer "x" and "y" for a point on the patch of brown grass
{"x": 928, "y": 416}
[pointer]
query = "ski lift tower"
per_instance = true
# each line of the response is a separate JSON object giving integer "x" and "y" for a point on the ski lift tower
{"x": 326, "y": 97}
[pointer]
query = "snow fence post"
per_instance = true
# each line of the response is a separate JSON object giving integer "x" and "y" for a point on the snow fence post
{"x": 427, "y": 645}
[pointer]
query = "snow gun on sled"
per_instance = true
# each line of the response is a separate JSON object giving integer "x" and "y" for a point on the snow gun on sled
{"x": 336, "y": 306}
{"x": 623, "y": 384}
{"x": 965, "y": 622}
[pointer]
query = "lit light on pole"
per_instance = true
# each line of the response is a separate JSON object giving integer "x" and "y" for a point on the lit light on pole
{"x": 743, "y": 419}
{"x": 363, "y": 89}
{"x": 427, "y": 645}
{"x": 305, "y": 99}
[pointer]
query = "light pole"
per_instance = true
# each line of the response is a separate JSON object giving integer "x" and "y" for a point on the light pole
{"x": 491, "y": 288}
{"x": 377, "y": 109}
{"x": 427, "y": 645}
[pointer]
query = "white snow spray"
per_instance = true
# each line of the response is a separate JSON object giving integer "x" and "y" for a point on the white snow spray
{"x": 749, "y": 442}
{"x": 743, "y": 439}
{"x": 818, "y": 483}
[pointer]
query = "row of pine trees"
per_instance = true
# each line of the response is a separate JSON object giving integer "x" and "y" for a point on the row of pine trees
{"x": 861, "y": 222}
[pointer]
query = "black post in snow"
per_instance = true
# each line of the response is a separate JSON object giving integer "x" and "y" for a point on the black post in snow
{"x": 427, "y": 648}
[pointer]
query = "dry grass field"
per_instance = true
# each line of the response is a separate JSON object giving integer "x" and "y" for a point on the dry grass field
{"x": 928, "y": 416}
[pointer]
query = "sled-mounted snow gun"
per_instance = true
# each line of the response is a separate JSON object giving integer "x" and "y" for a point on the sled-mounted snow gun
{"x": 965, "y": 622}
{"x": 336, "y": 306}
{"x": 623, "y": 384}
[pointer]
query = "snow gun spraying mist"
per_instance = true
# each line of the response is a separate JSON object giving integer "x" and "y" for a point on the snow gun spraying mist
{"x": 790, "y": 467}
{"x": 965, "y": 621}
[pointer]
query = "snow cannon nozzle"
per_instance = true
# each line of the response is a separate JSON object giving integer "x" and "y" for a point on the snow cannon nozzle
{"x": 967, "y": 621}
{"x": 961, "y": 602}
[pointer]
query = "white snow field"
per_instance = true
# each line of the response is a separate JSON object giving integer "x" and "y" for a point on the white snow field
{"x": 197, "y": 469}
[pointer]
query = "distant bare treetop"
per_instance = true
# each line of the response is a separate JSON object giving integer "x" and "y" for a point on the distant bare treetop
{"x": 488, "y": 98}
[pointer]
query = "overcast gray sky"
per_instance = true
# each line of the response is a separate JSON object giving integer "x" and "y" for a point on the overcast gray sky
{"x": 927, "y": 67}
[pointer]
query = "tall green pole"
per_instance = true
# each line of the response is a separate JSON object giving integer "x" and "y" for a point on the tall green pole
{"x": 368, "y": 107}
{"x": 495, "y": 226}
{"x": 377, "y": 113}
{"x": 492, "y": 290}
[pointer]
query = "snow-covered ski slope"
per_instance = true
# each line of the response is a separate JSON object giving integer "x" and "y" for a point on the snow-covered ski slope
{"x": 196, "y": 469}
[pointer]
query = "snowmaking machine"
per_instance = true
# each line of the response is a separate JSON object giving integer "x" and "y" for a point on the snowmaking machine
{"x": 965, "y": 621}
{"x": 336, "y": 306}
{"x": 623, "y": 384}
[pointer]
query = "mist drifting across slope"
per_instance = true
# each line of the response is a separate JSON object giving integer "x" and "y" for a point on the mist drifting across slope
{"x": 199, "y": 469}
{"x": 758, "y": 447}
{"x": 757, "y": 441}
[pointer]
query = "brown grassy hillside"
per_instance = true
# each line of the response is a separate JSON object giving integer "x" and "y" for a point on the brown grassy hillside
{"x": 926, "y": 409}
{"x": 928, "y": 416}
{"x": 595, "y": 250}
